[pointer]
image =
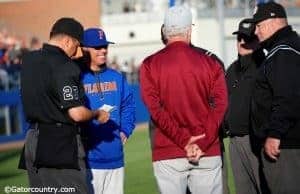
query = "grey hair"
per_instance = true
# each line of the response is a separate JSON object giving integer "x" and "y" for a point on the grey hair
{"x": 171, "y": 32}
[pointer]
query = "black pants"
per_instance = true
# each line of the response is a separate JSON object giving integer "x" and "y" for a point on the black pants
{"x": 68, "y": 180}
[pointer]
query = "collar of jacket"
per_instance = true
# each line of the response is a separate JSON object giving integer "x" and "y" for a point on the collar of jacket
{"x": 178, "y": 43}
{"x": 255, "y": 58}
{"x": 54, "y": 49}
{"x": 245, "y": 61}
{"x": 103, "y": 68}
{"x": 277, "y": 37}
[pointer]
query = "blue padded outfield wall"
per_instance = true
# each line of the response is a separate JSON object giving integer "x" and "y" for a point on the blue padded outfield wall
{"x": 141, "y": 114}
{"x": 12, "y": 98}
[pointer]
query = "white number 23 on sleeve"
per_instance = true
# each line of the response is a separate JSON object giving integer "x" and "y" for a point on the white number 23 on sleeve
{"x": 70, "y": 92}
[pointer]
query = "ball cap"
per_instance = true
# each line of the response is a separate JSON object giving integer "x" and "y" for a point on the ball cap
{"x": 177, "y": 17}
{"x": 95, "y": 37}
{"x": 68, "y": 26}
{"x": 246, "y": 27}
{"x": 268, "y": 10}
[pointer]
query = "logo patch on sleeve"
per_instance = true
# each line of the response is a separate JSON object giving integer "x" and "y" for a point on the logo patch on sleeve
{"x": 70, "y": 93}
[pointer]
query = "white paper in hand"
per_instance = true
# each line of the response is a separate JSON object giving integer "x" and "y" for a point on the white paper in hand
{"x": 107, "y": 108}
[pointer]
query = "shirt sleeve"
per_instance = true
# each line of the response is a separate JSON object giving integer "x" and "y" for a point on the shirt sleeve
{"x": 68, "y": 87}
{"x": 218, "y": 101}
{"x": 160, "y": 116}
{"x": 127, "y": 109}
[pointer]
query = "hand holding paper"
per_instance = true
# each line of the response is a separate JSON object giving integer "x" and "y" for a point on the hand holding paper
{"x": 102, "y": 116}
{"x": 107, "y": 108}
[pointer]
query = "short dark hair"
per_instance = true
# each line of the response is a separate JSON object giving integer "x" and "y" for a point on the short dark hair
{"x": 67, "y": 26}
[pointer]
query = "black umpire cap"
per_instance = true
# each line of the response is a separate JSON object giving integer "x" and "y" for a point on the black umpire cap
{"x": 268, "y": 10}
{"x": 68, "y": 26}
{"x": 246, "y": 27}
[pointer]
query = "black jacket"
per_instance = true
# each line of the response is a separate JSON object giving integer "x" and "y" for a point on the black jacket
{"x": 50, "y": 85}
{"x": 240, "y": 78}
{"x": 276, "y": 97}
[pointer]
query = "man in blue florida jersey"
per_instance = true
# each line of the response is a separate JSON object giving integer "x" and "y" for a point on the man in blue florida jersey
{"x": 106, "y": 89}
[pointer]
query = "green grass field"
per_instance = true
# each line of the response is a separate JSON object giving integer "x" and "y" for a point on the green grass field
{"x": 139, "y": 177}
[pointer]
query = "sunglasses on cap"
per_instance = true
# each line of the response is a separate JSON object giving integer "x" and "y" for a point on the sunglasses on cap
{"x": 100, "y": 47}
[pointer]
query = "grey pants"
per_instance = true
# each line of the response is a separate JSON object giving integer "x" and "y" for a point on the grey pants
{"x": 174, "y": 175}
{"x": 283, "y": 176}
{"x": 245, "y": 166}
{"x": 55, "y": 178}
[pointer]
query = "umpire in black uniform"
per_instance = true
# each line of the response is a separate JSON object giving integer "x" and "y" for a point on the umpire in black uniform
{"x": 53, "y": 101}
{"x": 240, "y": 78}
{"x": 276, "y": 99}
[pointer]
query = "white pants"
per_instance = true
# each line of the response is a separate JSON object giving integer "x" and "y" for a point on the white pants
{"x": 106, "y": 181}
{"x": 175, "y": 175}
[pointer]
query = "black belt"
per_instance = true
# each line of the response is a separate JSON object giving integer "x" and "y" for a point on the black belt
{"x": 237, "y": 135}
{"x": 36, "y": 125}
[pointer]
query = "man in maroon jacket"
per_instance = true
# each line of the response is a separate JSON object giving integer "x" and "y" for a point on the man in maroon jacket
{"x": 185, "y": 92}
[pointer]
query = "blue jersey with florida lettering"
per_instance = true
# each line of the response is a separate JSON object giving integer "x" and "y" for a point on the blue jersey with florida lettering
{"x": 104, "y": 146}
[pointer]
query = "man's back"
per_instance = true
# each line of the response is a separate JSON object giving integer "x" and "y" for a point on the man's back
{"x": 185, "y": 80}
{"x": 42, "y": 76}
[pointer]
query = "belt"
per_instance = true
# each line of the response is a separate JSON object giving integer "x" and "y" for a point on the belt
{"x": 36, "y": 125}
{"x": 237, "y": 135}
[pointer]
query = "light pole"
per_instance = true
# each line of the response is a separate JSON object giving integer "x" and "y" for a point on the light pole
{"x": 220, "y": 17}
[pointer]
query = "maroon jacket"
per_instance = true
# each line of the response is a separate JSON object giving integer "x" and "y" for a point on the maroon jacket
{"x": 185, "y": 92}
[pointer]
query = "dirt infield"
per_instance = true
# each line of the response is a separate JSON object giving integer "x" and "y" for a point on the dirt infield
{"x": 11, "y": 145}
